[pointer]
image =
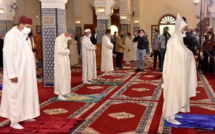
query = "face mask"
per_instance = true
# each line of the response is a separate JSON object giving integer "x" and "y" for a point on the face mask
{"x": 194, "y": 33}
{"x": 141, "y": 35}
{"x": 209, "y": 32}
{"x": 89, "y": 35}
{"x": 68, "y": 38}
{"x": 121, "y": 35}
{"x": 26, "y": 30}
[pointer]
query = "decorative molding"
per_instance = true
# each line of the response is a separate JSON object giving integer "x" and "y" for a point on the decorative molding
{"x": 108, "y": 5}
{"x": 125, "y": 11}
{"x": 60, "y": 4}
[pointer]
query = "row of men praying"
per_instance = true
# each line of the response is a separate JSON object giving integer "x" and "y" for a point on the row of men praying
{"x": 20, "y": 99}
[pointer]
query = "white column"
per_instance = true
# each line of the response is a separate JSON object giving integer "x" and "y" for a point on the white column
{"x": 103, "y": 10}
{"x": 53, "y": 17}
{"x": 136, "y": 15}
{"x": 125, "y": 15}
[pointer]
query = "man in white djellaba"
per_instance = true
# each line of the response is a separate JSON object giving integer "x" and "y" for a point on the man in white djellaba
{"x": 20, "y": 100}
{"x": 62, "y": 71}
{"x": 107, "y": 53}
{"x": 179, "y": 75}
{"x": 88, "y": 58}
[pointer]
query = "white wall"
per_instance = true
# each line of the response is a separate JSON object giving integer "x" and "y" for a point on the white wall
{"x": 29, "y": 8}
{"x": 86, "y": 12}
{"x": 152, "y": 10}
{"x": 70, "y": 23}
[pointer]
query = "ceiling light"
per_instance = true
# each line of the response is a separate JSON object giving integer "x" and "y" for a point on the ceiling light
{"x": 136, "y": 21}
{"x": 77, "y": 22}
{"x": 123, "y": 17}
{"x": 1, "y": 10}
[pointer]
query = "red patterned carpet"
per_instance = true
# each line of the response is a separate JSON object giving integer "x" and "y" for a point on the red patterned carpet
{"x": 135, "y": 106}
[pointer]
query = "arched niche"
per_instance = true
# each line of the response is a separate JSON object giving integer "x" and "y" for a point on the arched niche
{"x": 167, "y": 20}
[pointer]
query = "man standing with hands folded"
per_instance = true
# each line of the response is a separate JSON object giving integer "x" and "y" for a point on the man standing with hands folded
{"x": 20, "y": 100}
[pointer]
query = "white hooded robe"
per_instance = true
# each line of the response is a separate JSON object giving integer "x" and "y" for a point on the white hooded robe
{"x": 62, "y": 72}
{"x": 107, "y": 54}
{"x": 20, "y": 100}
{"x": 179, "y": 74}
{"x": 88, "y": 60}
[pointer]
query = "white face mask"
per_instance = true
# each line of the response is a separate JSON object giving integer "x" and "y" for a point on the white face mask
{"x": 142, "y": 34}
{"x": 68, "y": 38}
{"x": 26, "y": 30}
{"x": 89, "y": 35}
{"x": 194, "y": 33}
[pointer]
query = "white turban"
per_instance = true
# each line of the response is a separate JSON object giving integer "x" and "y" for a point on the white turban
{"x": 87, "y": 30}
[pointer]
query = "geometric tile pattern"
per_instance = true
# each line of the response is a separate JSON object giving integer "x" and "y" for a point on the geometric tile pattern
{"x": 9, "y": 24}
{"x": 102, "y": 25}
{"x": 5, "y": 25}
{"x": 53, "y": 24}
{"x": 61, "y": 21}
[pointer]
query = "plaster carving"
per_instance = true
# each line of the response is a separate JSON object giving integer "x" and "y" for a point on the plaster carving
{"x": 60, "y": 4}
{"x": 108, "y": 4}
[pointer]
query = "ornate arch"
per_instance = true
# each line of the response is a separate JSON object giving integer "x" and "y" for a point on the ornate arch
{"x": 167, "y": 19}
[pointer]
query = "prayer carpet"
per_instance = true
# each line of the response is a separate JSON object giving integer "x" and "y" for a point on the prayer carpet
{"x": 133, "y": 107}
{"x": 120, "y": 116}
{"x": 199, "y": 121}
{"x": 112, "y": 83}
{"x": 83, "y": 98}
{"x": 45, "y": 125}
